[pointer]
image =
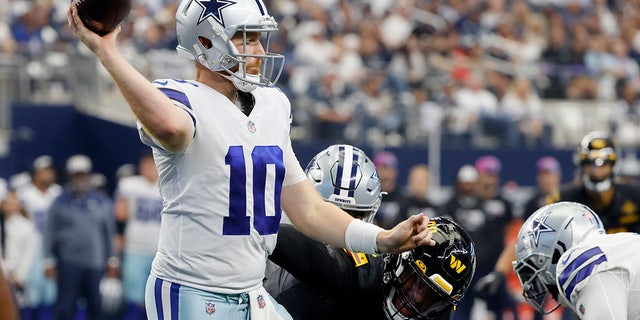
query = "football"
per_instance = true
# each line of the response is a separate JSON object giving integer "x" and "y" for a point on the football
{"x": 102, "y": 16}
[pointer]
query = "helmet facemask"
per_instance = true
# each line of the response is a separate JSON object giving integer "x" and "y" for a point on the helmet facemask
{"x": 268, "y": 62}
{"x": 538, "y": 285}
{"x": 413, "y": 295}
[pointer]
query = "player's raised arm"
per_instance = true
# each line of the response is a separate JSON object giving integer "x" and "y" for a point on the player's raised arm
{"x": 168, "y": 124}
{"x": 327, "y": 223}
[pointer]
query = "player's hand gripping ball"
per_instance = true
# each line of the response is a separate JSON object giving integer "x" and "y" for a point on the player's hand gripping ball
{"x": 102, "y": 16}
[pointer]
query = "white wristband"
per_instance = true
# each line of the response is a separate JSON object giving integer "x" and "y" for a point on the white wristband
{"x": 361, "y": 236}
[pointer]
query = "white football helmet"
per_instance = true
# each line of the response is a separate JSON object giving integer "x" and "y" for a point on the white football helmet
{"x": 346, "y": 177}
{"x": 543, "y": 238}
{"x": 218, "y": 21}
{"x": 112, "y": 296}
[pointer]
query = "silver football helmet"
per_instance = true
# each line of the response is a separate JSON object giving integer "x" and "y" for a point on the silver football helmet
{"x": 205, "y": 29}
{"x": 543, "y": 238}
{"x": 346, "y": 177}
{"x": 112, "y": 296}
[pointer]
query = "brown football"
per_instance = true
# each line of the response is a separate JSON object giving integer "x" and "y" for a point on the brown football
{"x": 102, "y": 16}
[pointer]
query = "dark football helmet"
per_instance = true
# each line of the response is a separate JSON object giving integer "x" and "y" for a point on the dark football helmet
{"x": 597, "y": 148}
{"x": 428, "y": 281}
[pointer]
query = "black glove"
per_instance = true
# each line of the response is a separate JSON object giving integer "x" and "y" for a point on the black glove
{"x": 488, "y": 285}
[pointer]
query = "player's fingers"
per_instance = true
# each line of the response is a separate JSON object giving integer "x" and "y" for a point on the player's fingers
{"x": 71, "y": 21}
{"x": 77, "y": 22}
{"x": 417, "y": 219}
{"x": 424, "y": 238}
{"x": 115, "y": 31}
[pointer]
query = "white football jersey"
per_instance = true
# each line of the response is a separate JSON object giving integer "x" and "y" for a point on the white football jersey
{"x": 598, "y": 254}
{"x": 222, "y": 194}
{"x": 37, "y": 203}
{"x": 144, "y": 207}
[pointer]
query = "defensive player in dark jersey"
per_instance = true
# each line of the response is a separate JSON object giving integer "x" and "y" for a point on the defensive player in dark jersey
{"x": 617, "y": 204}
{"x": 314, "y": 281}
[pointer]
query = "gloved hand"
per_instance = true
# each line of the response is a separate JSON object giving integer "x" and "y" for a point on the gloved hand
{"x": 488, "y": 285}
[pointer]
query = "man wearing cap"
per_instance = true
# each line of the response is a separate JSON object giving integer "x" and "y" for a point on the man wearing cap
{"x": 36, "y": 196}
{"x": 617, "y": 204}
{"x": 548, "y": 177}
{"x": 79, "y": 234}
{"x": 389, "y": 213}
{"x": 490, "y": 223}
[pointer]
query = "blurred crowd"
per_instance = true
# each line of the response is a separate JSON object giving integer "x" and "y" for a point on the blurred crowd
{"x": 62, "y": 237}
{"x": 390, "y": 73}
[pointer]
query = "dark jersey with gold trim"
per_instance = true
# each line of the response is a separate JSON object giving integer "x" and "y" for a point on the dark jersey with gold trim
{"x": 623, "y": 215}
{"x": 323, "y": 282}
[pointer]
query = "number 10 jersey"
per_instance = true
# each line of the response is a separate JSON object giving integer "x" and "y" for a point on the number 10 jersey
{"x": 222, "y": 193}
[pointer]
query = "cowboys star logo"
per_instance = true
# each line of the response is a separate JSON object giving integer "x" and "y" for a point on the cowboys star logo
{"x": 540, "y": 227}
{"x": 212, "y": 9}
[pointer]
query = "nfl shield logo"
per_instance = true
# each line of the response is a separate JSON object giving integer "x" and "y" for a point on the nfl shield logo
{"x": 251, "y": 126}
{"x": 261, "y": 302}
{"x": 211, "y": 308}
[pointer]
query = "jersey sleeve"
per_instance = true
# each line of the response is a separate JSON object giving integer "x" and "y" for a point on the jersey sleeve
{"x": 294, "y": 172}
{"x": 309, "y": 261}
{"x": 575, "y": 268}
{"x": 605, "y": 296}
{"x": 179, "y": 98}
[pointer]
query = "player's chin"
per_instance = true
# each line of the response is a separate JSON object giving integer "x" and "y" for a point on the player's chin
{"x": 253, "y": 71}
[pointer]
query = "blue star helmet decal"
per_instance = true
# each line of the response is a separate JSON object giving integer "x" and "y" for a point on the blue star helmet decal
{"x": 212, "y": 8}
{"x": 540, "y": 227}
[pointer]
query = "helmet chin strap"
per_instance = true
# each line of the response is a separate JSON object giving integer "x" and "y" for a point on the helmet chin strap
{"x": 596, "y": 186}
{"x": 240, "y": 83}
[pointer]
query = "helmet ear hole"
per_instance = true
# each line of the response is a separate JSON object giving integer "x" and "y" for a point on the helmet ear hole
{"x": 205, "y": 42}
{"x": 556, "y": 256}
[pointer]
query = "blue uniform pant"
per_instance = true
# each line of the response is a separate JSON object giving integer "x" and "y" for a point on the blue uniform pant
{"x": 75, "y": 282}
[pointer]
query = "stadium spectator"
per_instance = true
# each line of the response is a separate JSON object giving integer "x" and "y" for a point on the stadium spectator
{"x": 523, "y": 107}
{"x": 375, "y": 115}
{"x": 21, "y": 245}
{"x": 549, "y": 178}
{"x": 480, "y": 107}
{"x": 78, "y": 241}
{"x": 415, "y": 198}
{"x": 332, "y": 114}
{"x": 490, "y": 222}
{"x": 424, "y": 117}
{"x": 625, "y": 117}
{"x": 389, "y": 213}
